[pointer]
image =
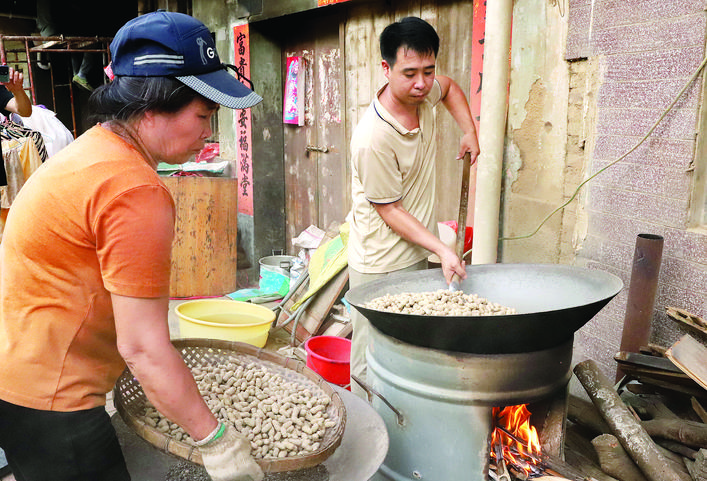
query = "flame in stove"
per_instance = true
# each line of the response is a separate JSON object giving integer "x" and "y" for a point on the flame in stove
{"x": 516, "y": 438}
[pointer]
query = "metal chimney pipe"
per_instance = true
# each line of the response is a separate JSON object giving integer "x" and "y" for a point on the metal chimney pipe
{"x": 641, "y": 294}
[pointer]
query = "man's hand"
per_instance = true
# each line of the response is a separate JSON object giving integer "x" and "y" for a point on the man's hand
{"x": 227, "y": 458}
{"x": 469, "y": 143}
{"x": 451, "y": 264}
{"x": 454, "y": 100}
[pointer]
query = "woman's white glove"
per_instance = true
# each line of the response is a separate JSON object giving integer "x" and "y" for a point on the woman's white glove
{"x": 226, "y": 456}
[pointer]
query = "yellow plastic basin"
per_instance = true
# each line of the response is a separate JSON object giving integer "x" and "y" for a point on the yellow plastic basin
{"x": 225, "y": 319}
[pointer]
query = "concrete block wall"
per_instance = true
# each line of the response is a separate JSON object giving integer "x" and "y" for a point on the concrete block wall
{"x": 646, "y": 51}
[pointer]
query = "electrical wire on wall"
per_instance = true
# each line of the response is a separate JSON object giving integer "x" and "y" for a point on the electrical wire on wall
{"x": 631, "y": 150}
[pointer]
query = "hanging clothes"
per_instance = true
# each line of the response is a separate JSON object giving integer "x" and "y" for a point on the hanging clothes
{"x": 21, "y": 159}
{"x": 56, "y": 136}
{"x": 12, "y": 130}
{"x": 22, "y": 151}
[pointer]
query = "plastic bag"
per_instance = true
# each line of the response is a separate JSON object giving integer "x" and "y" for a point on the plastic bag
{"x": 56, "y": 136}
{"x": 208, "y": 153}
{"x": 468, "y": 234}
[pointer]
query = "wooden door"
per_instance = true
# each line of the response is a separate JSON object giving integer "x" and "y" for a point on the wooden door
{"x": 364, "y": 76}
{"x": 315, "y": 153}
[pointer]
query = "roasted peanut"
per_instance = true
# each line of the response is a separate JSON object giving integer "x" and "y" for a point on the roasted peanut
{"x": 438, "y": 303}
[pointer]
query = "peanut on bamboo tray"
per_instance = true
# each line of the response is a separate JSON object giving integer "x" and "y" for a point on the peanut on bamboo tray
{"x": 293, "y": 418}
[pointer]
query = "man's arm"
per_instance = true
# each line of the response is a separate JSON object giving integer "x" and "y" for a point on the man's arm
{"x": 20, "y": 102}
{"x": 412, "y": 230}
{"x": 455, "y": 102}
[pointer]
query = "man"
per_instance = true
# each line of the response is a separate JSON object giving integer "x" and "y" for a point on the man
{"x": 393, "y": 221}
{"x": 13, "y": 98}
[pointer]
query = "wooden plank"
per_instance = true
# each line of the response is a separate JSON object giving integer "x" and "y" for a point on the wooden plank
{"x": 297, "y": 294}
{"x": 685, "y": 318}
{"x": 336, "y": 328}
{"x": 701, "y": 412}
{"x": 689, "y": 355}
{"x": 317, "y": 311}
{"x": 645, "y": 361}
{"x": 204, "y": 251}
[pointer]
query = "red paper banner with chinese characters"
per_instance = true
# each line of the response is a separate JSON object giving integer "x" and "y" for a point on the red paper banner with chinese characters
{"x": 478, "y": 36}
{"x": 244, "y": 145}
{"x": 321, "y": 3}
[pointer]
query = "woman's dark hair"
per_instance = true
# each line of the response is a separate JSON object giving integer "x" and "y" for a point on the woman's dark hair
{"x": 412, "y": 33}
{"x": 128, "y": 98}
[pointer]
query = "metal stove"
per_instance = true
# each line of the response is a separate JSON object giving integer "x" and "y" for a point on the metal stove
{"x": 437, "y": 378}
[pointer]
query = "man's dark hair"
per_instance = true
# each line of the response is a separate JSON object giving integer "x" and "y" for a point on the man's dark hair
{"x": 127, "y": 98}
{"x": 412, "y": 33}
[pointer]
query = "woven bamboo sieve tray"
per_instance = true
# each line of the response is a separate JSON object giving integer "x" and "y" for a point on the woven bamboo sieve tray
{"x": 130, "y": 400}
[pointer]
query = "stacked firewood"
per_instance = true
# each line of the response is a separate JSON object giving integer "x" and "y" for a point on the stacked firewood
{"x": 652, "y": 426}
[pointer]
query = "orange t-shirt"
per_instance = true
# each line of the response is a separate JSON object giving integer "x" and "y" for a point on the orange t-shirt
{"x": 95, "y": 219}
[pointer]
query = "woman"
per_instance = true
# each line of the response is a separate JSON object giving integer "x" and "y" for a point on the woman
{"x": 86, "y": 266}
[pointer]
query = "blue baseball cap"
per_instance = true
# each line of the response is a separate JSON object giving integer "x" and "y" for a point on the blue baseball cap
{"x": 170, "y": 44}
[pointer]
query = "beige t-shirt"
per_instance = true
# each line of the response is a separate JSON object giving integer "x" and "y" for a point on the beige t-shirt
{"x": 390, "y": 163}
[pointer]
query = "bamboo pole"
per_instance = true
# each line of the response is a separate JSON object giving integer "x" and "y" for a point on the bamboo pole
{"x": 492, "y": 132}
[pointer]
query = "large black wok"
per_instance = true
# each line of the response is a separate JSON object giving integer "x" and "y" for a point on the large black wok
{"x": 552, "y": 302}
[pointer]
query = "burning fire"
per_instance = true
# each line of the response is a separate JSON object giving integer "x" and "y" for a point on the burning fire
{"x": 515, "y": 440}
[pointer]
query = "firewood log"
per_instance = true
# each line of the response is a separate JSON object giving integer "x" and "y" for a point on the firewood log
{"x": 666, "y": 426}
{"x": 635, "y": 440}
{"x": 698, "y": 468}
{"x": 613, "y": 459}
{"x": 689, "y": 433}
{"x": 650, "y": 407}
{"x": 677, "y": 448}
{"x": 556, "y": 466}
{"x": 677, "y": 463}
{"x": 584, "y": 414}
{"x": 580, "y": 453}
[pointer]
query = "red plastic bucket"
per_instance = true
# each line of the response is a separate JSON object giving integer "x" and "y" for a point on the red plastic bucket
{"x": 330, "y": 356}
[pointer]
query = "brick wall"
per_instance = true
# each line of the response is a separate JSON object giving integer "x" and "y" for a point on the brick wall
{"x": 647, "y": 50}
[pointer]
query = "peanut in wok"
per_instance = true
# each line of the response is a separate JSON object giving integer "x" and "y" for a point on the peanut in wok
{"x": 438, "y": 303}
